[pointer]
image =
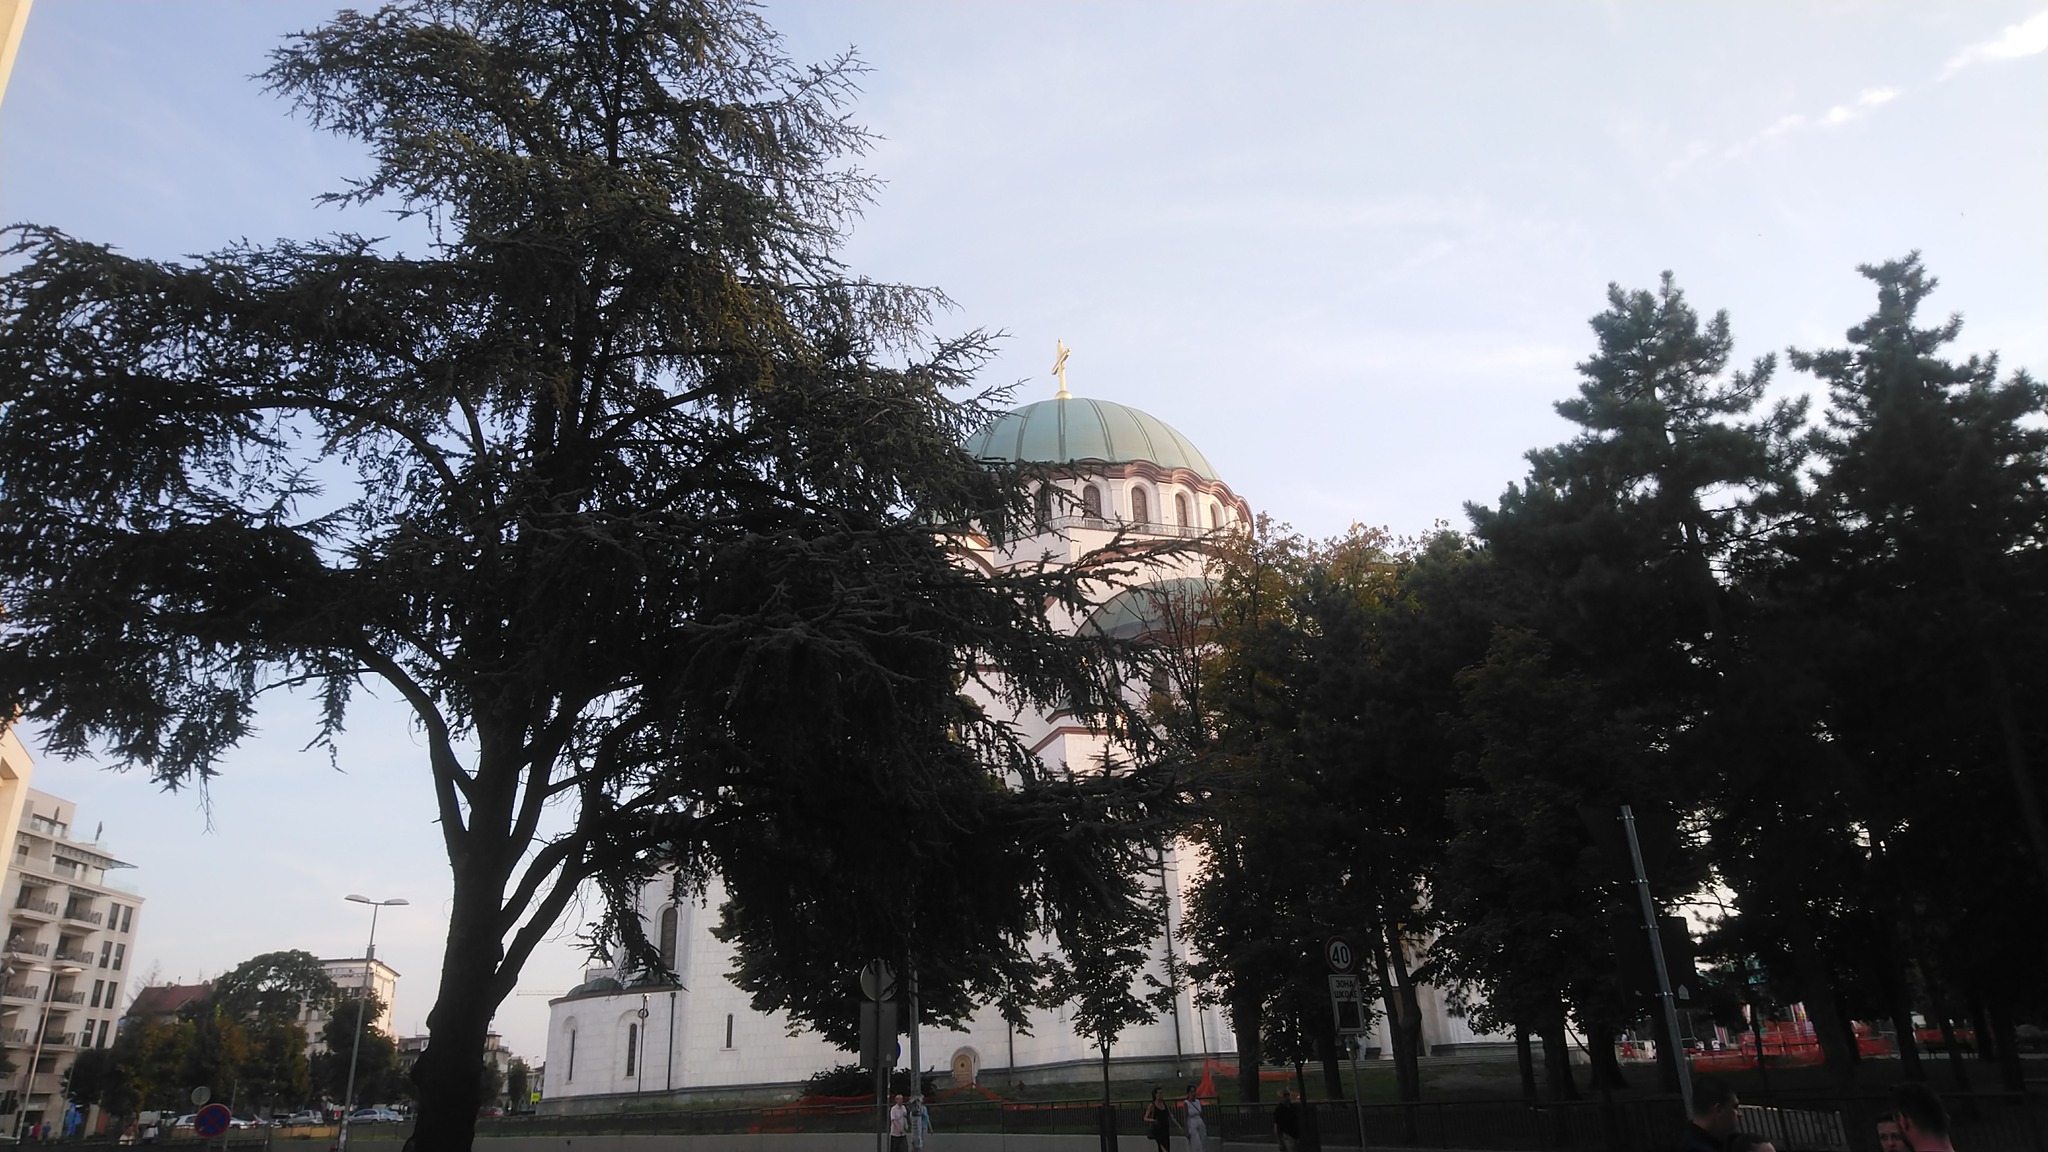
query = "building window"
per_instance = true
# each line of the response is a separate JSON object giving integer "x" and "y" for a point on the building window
{"x": 668, "y": 938}
{"x": 632, "y": 1048}
{"x": 120, "y": 950}
{"x": 98, "y": 987}
{"x": 127, "y": 917}
{"x": 1141, "y": 507}
{"x": 112, "y": 990}
{"x": 572, "y": 1056}
{"x": 1091, "y": 502}
{"x": 728, "y": 1030}
{"x": 106, "y": 951}
{"x": 1215, "y": 516}
{"x": 104, "y": 1026}
{"x": 1180, "y": 510}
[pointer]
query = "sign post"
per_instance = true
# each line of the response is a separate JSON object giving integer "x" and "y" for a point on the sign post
{"x": 878, "y": 984}
{"x": 1347, "y": 1005}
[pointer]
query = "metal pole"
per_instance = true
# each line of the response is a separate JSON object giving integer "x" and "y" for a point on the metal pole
{"x": 671, "y": 1040}
{"x": 1358, "y": 1090}
{"x": 348, "y": 1099}
{"x": 1635, "y": 853}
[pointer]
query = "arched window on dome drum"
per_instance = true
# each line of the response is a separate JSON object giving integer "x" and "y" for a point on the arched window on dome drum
{"x": 1215, "y": 515}
{"x": 668, "y": 938}
{"x": 1091, "y": 502}
{"x": 1180, "y": 511}
{"x": 1044, "y": 505}
{"x": 1141, "y": 510}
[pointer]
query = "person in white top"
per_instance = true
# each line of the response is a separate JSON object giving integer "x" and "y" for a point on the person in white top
{"x": 1198, "y": 1130}
{"x": 899, "y": 1125}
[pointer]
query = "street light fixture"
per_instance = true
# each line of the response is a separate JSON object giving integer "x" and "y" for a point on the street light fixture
{"x": 28, "y": 1078}
{"x": 362, "y": 1003}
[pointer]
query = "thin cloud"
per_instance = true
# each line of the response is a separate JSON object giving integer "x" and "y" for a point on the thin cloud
{"x": 2027, "y": 38}
{"x": 1866, "y": 101}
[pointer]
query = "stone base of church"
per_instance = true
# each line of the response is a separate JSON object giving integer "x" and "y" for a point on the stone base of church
{"x": 1477, "y": 1049}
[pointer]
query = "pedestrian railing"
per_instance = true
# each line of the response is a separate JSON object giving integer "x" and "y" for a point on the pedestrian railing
{"x": 2009, "y": 1122}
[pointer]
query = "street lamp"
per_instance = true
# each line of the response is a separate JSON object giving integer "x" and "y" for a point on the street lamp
{"x": 28, "y": 1078}
{"x": 362, "y": 1003}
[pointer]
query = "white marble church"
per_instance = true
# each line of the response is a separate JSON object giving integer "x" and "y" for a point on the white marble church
{"x": 617, "y": 1045}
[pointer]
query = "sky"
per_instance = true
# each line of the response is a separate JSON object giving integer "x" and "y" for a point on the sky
{"x": 1348, "y": 249}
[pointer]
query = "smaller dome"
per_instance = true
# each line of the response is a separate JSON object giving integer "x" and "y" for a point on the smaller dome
{"x": 594, "y": 987}
{"x": 1144, "y": 609}
{"x": 1073, "y": 430}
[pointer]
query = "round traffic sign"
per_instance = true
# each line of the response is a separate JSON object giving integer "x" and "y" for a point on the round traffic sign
{"x": 212, "y": 1121}
{"x": 201, "y": 1095}
{"x": 878, "y": 980}
{"x": 1338, "y": 954}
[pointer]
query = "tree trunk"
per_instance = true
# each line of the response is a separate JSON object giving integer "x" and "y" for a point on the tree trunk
{"x": 1817, "y": 991}
{"x": 1245, "y": 1019}
{"x": 2011, "y": 1071}
{"x": 1606, "y": 1067}
{"x": 1333, "y": 1069}
{"x": 1525, "y": 1062}
{"x": 450, "y": 1089}
{"x": 1404, "y": 1013}
{"x": 1557, "y": 1061}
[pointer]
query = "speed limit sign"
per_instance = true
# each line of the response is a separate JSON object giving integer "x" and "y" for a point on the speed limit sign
{"x": 1339, "y": 955}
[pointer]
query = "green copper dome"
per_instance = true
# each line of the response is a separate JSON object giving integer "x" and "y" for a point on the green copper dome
{"x": 1072, "y": 430}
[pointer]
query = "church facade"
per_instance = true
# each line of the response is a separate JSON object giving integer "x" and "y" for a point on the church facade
{"x": 614, "y": 1044}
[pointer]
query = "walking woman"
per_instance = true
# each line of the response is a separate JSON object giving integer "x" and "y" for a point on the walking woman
{"x": 1156, "y": 1120}
{"x": 1198, "y": 1129}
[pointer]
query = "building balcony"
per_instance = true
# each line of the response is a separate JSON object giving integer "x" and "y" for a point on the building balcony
{"x": 22, "y": 992}
{"x": 85, "y": 916}
{"x": 60, "y": 1040}
{"x": 35, "y": 909}
{"x": 68, "y": 957}
{"x": 27, "y": 948}
{"x": 14, "y": 1036}
{"x": 68, "y": 998}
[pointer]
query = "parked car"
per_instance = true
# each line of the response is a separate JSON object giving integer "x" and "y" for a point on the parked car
{"x": 303, "y": 1119}
{"x": 374, "y": 1116}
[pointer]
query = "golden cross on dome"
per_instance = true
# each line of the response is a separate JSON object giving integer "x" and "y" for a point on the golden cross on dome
{"x": 1059, "y": 369}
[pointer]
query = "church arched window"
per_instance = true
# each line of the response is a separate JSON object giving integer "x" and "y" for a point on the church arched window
{"x": 1091, "y": 502}
{"x": 1141, "y": 508}
{"x": 668, "y": 938}
{"x": 571, "y": 1029}
{"x": 632, "y": 1049}
{"x": 1180, "y": 511}
{"x": 1044, "y": 505}
{"x": 1215, "y": 515}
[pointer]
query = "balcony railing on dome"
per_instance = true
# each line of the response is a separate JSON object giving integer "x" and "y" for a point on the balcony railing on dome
{"x": 1101, "y": 524}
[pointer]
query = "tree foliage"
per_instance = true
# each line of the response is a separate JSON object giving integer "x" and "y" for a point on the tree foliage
{"x": 635, "y": 495}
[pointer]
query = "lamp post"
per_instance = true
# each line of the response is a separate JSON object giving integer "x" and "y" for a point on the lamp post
{"x": 28, "y": 1078}
{"x": 348, "y": 1104}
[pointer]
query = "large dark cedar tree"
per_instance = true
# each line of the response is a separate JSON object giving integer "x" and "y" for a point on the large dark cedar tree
{"x": 634, "y": 494}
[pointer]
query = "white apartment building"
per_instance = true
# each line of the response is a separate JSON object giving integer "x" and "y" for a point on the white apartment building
{"x": 352, "y": 974}
{"x": 72, "y": 917}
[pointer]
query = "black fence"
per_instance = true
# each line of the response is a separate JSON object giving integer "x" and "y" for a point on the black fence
{"x": 1794, "y": 1123}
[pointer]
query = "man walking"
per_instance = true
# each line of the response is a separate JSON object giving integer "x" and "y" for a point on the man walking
{"x": 899, "y": 1125}
{"x": 1715, "y": 1110}
{"x": 1287, "y": 1122}
{"x": 1923, "y": 1121}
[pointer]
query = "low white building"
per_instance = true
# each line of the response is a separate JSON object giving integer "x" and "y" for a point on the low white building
{"x": 613, "y": 1044}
